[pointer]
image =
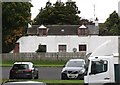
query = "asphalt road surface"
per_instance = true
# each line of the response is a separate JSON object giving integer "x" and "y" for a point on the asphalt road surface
{"x": 45, "y": 73}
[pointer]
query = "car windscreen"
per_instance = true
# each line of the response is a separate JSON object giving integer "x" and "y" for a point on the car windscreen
{"x": 20, "y": 66}
{"x": 75, "y": 64}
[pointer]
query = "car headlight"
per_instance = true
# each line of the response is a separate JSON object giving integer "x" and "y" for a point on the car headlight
{"x": 81, "y": 71}
{"x": 65, "y": 71}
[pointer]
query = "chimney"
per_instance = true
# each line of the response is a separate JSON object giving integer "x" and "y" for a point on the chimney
{"x": 96, "y": 25}
{"x": 96, "y": 22}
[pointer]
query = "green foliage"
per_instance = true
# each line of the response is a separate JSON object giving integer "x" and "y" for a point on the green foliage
{"x": 15, "y": 16}
{"x": 58, "y": 13}
{"x": 113, "y": 24}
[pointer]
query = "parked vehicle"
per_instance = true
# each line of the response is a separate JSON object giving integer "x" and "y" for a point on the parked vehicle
{"x": 102, "y": 69}
{"x": 103, "y": 65}
{"x": 23, "y": 70}
{"x": 74, "y": 69}
{"x": 23, "y": 83}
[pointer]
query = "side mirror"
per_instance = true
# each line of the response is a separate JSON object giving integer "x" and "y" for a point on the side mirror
{"x": 93, "y": 71}
{"x": 35, "y": 67}
{"x": 93, "y": 68}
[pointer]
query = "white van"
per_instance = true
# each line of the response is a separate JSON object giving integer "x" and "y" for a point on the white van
{"x": 101, "y": 70}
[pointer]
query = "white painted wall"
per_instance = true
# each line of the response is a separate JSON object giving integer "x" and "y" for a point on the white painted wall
{"x": 31, "y": 43}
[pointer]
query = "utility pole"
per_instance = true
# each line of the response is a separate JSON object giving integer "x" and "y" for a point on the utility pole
{"x": 94, "y": 12}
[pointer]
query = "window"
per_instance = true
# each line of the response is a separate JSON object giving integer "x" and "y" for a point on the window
{"x": 82, "y": 47}
{"x": 41, "y": 48}
{"x": 20, "y": 66}
{"x": 42, "y": 32}
{"x": 82, "y": 31}
{"x": 99, "y": 66}
{"x": 62, "y": 48}
{"x": 75, "y": 64}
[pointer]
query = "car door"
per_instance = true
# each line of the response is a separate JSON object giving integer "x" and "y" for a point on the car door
{"x": 99, "y": 71}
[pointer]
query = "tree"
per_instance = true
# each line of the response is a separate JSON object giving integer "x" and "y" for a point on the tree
{"x": 86, "y": 22}
{"x": 59, "y": 13}
{"x": 15, "y": 17}
{"x": 113, "y": 24}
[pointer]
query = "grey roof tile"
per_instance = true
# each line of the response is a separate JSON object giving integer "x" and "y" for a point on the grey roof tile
{"x": 63, "y": 29}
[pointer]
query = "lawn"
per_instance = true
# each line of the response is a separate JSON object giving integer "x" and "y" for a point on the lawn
{"x": 48, "y": 63}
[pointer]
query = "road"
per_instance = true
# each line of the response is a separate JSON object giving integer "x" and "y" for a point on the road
{"x": 45, "y": 73}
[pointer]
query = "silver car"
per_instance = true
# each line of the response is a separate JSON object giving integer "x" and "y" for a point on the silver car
{"x": 74, "y": 69}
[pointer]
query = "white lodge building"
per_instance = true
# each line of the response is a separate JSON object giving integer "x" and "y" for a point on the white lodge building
{"x": 63, "y": 38}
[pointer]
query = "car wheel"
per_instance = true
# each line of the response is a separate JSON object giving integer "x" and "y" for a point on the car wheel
{"x": 37, "y": 76}
{"x": 62, "y": 78}
{"x": 10, "y": 77}
{"x": 31, "y": 77}
{"x": 80, "y": 77}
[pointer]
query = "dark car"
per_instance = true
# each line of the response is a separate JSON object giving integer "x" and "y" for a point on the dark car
{"x": 23, "y": 70}
{"x": 74, "y": 69}
{"x": 24, "y": 83}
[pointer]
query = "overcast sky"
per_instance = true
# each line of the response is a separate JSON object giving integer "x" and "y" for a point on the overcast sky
{"x": 103, "y": 8}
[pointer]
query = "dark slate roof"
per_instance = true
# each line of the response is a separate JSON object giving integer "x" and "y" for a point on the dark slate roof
{"x": 63, "y": 29}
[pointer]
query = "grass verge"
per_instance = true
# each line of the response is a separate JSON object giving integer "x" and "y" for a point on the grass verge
{"x": 80, "y": 82}
{"x": 44, "y": 63}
